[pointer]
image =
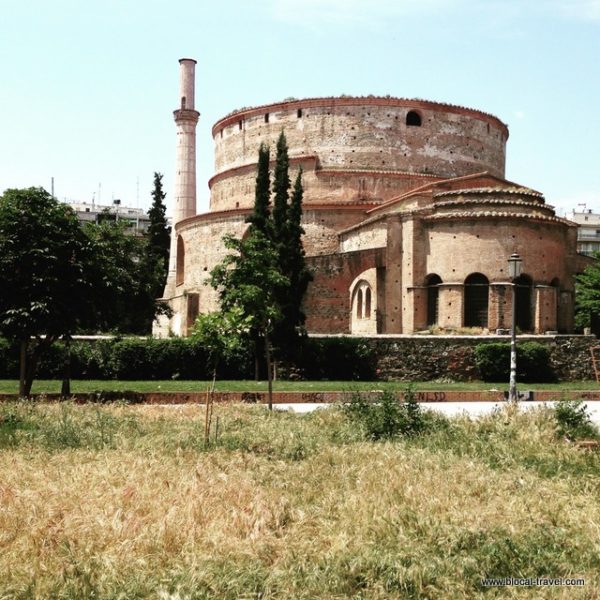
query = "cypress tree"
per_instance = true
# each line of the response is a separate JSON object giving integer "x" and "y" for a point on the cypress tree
{"x": 281, "y": 187}
{"x": 260, "y": 217}
{"x": 159, "y": 232}
{"x": 158, "y": 238}
{"x": 296, "y": 268}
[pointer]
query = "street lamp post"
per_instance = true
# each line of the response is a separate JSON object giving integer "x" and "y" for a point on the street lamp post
{"x": 514, "y": 270}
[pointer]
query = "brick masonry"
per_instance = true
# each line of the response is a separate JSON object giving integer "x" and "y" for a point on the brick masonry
{"x": 391, "y": 205}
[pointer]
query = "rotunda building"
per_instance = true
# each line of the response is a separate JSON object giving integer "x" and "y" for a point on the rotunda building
{"x": 409, "y": 220}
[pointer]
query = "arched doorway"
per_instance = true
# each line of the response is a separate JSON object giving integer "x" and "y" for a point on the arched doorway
{"x": 476, "y": 300}
{"x": 523, "y": 289}
{"x": 432, "y": 282}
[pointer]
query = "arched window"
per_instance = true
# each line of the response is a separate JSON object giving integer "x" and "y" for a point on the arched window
{"x": 180, "y": 272}
{"x": 523, "y": 288}
{"x": 413, "y": 119}
{"x": 368, "y": 303}
{"x": 476, "y": 300}
{"x": 359, "y": 304}
{"x": 432, "y": 282}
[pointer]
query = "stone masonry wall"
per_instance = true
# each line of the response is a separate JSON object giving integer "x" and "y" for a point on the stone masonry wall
{"x": 451, "y": 358}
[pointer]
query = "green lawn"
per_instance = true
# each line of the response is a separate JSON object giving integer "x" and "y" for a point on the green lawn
{"x": 81, "y": 386}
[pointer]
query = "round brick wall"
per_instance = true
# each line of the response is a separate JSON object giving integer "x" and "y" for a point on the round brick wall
{"x": 356, "y": 148}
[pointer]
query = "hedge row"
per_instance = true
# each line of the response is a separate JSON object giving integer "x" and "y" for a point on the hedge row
{"x": 341, "y": 359}
{"x": 184, "y": 358}
{"x": 533, "y": 362}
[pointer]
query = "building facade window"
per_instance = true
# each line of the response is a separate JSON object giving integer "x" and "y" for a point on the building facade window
{"x": 476, "y": 300}
{"x": 180, "y": 268}
{"x": 359, "y": 304}
{"x": 362, "y": 305}
{"x": 432, "y": 282}
{"x": 413, "y": 119}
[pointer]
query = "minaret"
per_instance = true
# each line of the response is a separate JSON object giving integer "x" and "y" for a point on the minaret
{"x": 186, "y": 118}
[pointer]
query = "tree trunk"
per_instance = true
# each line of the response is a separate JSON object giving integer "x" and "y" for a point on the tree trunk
{"x": 65, "y": 390}
{"x": 31, "y": 368}
{"x": 269, "y": 373}
{"x": 22, "y": 368}
{"x": 41, "y": 346}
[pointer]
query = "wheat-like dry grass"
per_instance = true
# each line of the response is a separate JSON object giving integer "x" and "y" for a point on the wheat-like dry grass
{"x": 151, "y": 514}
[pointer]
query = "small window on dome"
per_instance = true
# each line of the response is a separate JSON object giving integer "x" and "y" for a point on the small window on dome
{"x": 413, "y": 119}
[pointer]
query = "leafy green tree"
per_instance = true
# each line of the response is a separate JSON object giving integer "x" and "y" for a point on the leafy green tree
{"x": 125, "y": 278}
{"x": 59, "y": 278}
{"x": 247, "y": 280}
{"x": 587, "y": 293}
{"x": 266, "y": 276}
{"x": 44, "y": 258}
{"x": 159, "y": 234}
{"x": 222, "y": 335}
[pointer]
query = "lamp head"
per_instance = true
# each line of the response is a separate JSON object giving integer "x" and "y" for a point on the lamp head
{"x": 514, "y": 265}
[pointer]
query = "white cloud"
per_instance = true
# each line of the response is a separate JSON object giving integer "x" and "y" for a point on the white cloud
{"x": 519, "y": 114}
{"x": 348, "y": 12}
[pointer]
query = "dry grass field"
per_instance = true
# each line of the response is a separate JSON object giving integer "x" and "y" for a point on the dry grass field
{"x": 126, "y": 502}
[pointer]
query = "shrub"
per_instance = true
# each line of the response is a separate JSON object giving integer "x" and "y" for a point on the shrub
{"x": 533, "y": 362}
{"x": 335, "y": 359}
{"x": 388, "y": 418}
{"x": 573, "y": 420}
{"x": 92, "y": 360}
{"x": 9, "y": 356}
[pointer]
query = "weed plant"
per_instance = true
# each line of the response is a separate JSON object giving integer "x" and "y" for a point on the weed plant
{"x": 387, "y": 418}
{"x": 573, "y": 420}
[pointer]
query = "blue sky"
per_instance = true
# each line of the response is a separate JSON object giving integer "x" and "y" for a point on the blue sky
{"x": 88, "y": 88}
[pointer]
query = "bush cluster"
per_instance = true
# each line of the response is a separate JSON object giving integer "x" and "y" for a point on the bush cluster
{"x": 388, "y": 418}
{"x": 533, "y": 362}
{"x": 185, "y": 358}
{"x": 573, "y": 420}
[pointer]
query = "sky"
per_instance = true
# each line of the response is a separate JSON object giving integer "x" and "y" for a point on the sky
{"x": 88, "y": 88}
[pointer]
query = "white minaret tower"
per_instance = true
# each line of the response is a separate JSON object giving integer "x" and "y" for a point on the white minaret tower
{"x": 186, "y": 118}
